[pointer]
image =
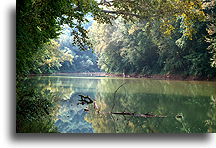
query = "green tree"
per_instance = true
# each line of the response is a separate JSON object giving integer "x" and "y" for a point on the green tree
{"x": 210, "y": 10}
{"x": 50, "y": 57}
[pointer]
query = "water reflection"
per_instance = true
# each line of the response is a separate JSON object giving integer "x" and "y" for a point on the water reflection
{"x": 189, "y": 106}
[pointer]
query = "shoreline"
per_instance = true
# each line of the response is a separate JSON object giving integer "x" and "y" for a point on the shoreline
{"x": 150, "y": 76}
{"x": 164, "y": 77}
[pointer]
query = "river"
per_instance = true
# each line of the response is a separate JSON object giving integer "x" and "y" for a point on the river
{"x": 53, "y": 105}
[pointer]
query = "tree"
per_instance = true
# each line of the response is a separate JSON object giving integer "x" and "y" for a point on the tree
{"x": 210, "y": 38}
{"x": 51, "y": 57}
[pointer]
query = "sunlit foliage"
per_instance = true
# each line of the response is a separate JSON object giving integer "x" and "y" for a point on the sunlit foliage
{"x": 51, "y": 56}
{"x": 136, "y": 48}
{"x": 166, "y": 12}
{"x": 211, "y": 11}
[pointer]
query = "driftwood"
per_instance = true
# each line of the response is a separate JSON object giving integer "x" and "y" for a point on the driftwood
{"x": 146, "y": 115}
{"x": 97, "y": 109}
{"x": 85, "y": 100}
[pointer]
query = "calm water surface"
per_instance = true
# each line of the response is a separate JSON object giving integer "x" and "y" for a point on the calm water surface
{"x": 190, "y": 106}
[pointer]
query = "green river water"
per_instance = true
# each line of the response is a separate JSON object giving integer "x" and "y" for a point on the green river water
{"x": 51, "y": 105}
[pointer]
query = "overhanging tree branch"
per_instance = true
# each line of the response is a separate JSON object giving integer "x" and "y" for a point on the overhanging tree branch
{"x": 106, "y": 3}
{"x": 123, "y": 13}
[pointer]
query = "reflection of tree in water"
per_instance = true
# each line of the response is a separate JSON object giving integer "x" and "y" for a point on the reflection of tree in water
{"x": 37, "y": 104}
{"x": 192, "y": 107}
{"x": 35, "y": 109}
{"x": 211, "y": 122}
{"x": 60, "y": 87}
{"x": 70, "y": 117}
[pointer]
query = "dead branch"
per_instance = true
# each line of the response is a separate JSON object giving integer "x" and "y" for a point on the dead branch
{"x": 115, "y": 95}
{"x": 85, "y": 100}
{"x": 147, "y": 115}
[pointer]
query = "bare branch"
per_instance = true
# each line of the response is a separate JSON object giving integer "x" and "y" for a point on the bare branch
{"x": 115, "y": 95}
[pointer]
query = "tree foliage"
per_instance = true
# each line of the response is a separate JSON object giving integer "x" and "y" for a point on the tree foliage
{"x": 210, "y": 10}
{"x": 166, "y": 12}
{"x": 136, "y": 48}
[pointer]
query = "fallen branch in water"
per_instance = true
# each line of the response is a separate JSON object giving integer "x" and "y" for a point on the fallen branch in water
{"x": 115, "y": 95}
{"x": 146, "y": 115}
{"x": 85, "y": 100}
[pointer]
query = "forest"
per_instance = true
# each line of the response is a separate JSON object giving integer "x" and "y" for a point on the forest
{"x": 119, "y": 36}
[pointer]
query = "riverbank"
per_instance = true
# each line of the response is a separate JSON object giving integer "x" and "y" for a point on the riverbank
{"x": 150, "y": 76}
{"x": 163, "y": 77}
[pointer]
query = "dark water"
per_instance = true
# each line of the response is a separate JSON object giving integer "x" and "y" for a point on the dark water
{"x": 190, "y": 107}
